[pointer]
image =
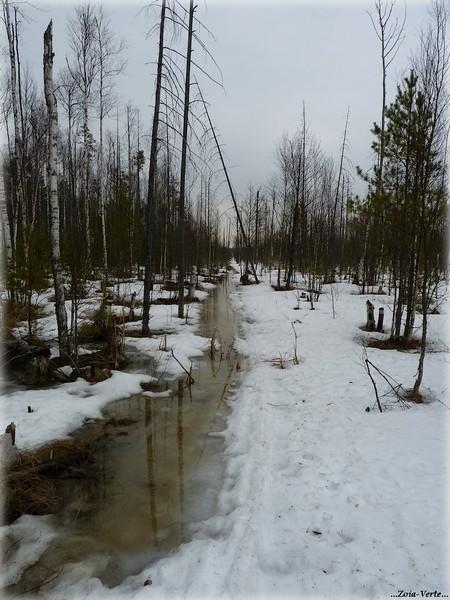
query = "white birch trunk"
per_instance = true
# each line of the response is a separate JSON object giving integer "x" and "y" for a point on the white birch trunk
{"x": 50, "y": 99}
{"x": 6, "y": 231}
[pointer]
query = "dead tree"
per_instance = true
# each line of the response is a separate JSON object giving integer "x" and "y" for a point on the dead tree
{"x": 84, "y": 70}
{"x": 434, "y": 68}
{"x": 230, "y": 187}
{"x": 390, "y": 35}
{"x": 151, "y": 191}
{"x": 11, "y": 34}
{"x": 181, "y": 215}
{"x": 380, "y": 319}
{"x": 370, "y": 316}
{"x": 109, "y": 66}
{"x": 52, "y": 110}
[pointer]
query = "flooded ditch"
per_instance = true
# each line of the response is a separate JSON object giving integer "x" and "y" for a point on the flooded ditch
{"x": 156, "y": 473}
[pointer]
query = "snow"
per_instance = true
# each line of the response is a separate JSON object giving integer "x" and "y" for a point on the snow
{"x": 320, "y": 498}
{"x": 59, "y": 410}
{"x": 35, "y": 535}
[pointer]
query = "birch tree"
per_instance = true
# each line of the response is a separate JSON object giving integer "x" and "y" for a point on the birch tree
{"x": 11, "y": 35}
{"x": 84, "y": 70}
{"x": 109, "y": 66}
{"x": 52, "y": 110}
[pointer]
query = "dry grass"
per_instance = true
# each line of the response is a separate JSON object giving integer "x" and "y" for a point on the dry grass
{"x": 170, "y": 286}
{"x": 14, "y": 313}
{"x": 127, "y": 302}
{"x": 173, "y": 300}
{"x": 153, "y": 386}
{"x": 213, "y": 348}
{"x": 413, "y": 396}
{"x": 282, "y": 288}
{"x": 388, "y": 344}
{"x": 31, "y": 481}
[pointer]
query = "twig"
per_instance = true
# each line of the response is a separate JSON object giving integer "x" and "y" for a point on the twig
{"x": 367, "y": 361}
{"x": 190, "y": 379}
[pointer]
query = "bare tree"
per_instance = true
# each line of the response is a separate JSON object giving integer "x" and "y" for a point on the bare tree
{"x": 390, "y": 34}
{"x": 151, "y": 192}
{"x": 181, "y": 206}
{"x": 433, "y": 67}
{"x": 11, "y": 35}
{"x": 84, "y": 69}
{"x": 52, "y": 109}
{"x": 109, "y": 66}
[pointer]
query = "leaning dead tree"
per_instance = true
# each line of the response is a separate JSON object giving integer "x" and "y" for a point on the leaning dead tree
{"x": 230, "y": 187}
{"x": 52, "y": 110}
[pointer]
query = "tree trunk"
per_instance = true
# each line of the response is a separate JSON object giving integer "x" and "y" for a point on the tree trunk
{"x": 181, "y": 216}
{"x": 150, "y": 212}
{"x": 101, "y": 184}
{"x": 17, "y": 137}
{"x": 86, "y": 181}
{"x": 6, "y": 230}
{"x": 50, "y": 99}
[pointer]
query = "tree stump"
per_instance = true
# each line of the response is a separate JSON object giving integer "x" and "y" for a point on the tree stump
{"x": 370, "y": 316}
{"x": 380, "y": 319}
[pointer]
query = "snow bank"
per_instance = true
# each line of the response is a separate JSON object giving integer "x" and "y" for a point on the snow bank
{"x": 59, "y": 410}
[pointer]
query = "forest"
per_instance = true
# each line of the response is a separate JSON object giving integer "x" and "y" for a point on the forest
{"x": 148, "y": 325}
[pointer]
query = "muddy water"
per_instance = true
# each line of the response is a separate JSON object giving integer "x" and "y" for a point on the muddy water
{"x": 157, "y": 470}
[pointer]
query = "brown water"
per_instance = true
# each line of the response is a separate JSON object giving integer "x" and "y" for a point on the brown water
{"x": 157, "y": 472}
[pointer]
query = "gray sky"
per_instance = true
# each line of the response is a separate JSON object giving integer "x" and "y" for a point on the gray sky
{"x": 273, "y": 55}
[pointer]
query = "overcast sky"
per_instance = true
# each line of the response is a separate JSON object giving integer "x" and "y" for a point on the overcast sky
{"x": 273, "y": 56}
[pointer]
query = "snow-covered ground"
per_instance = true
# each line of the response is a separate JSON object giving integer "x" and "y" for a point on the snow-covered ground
{"x": 321, "y": 499}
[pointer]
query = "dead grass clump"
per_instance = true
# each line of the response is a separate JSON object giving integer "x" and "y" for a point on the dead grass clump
{"x": 173, "y": 300}
{"x": 95, "y": 330}
{"x": 34, "y": 495}
{"x": 153, "y": 386}
{"x": 281, "y": 288}
{"x": 137, "y": 333}
{"x": 127, "y": 302}
{"x": 389, "y": 344}
{"x": 170, "y": 286}
{"x": 166, "y": 301}
{"x": 31, "y": 481}
{"x": 413, "y": 396}
{"x": 15, "y": 312}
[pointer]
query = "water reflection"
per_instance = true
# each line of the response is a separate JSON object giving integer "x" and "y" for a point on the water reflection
{"x": 151, "y": 473}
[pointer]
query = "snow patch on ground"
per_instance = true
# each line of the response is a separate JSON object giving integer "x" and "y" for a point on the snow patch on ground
{"x": 59, "y": 410}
